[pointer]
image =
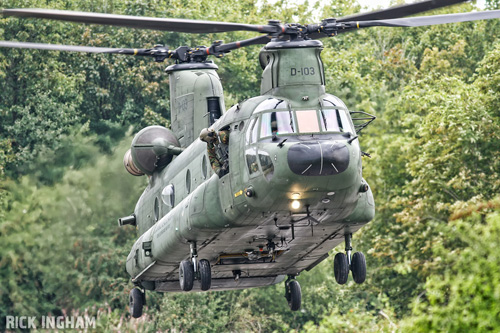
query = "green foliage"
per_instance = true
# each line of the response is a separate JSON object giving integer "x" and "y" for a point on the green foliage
{"x": 431, "y": 250}
{"x": 61, "y": 247}
{"x": 466, "y": 295}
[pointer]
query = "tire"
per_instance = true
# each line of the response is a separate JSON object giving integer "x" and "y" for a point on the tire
{"x": 186, "y": 275}
{"x": 205, "y": 274}
{"x": 294, "y": 295}
{"x": 136, "y": 302}
{"x": 341, "y": 268}
{"x": 358, "y": 267}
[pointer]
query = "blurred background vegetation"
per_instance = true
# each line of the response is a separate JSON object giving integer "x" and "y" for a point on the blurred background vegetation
{"x": 67, "y": 119}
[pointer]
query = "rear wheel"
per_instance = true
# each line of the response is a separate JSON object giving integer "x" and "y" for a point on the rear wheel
{"x": 294, "y": 295}
{"x": 205, "y": 274}
{"x": 358, "y": 267}
{"x": 341, "y": 268}
{"x": 186, "y": 275}
{"x": 136, "y": 302}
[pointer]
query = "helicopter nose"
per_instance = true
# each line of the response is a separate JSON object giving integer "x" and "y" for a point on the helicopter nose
{"x": 318, "y": 158}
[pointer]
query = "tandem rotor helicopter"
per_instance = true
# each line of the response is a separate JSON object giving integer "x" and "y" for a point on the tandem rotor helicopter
{"x": 271, "y": 185}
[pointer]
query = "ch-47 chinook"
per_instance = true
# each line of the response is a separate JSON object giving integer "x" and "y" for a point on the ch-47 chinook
{"x": 293, "y": 187}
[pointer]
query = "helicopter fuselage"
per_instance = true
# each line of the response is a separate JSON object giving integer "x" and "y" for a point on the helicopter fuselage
{"x": 293, "y": 190}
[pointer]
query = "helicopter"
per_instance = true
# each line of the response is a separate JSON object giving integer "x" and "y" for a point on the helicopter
{"x": 271, "y": 185}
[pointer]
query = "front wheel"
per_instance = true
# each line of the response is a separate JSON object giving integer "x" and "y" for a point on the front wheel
{"x": 205, "y": 274}
{"x": 186, "y": 275}
{"x": 358, "y": 267}
{"x": 341, "y": 268}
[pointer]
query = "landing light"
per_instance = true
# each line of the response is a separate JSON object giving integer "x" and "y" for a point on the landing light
{"x": 295, "y": 204}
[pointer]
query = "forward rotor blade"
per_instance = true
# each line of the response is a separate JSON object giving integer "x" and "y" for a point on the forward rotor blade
{"x": 430, "y": 20}
{"x": 401, "y": 10}
{"x": 178, "y": 25}
{"x": 72, "y": 48}
{"x": 242, "y": 43}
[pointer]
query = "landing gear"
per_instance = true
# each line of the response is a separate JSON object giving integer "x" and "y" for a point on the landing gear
{"x": 293, "y": 293}
{"x": 136, "y": 302}
{"x": 236, "y": 275}
{"x": 343, "y": 263}
{"x": 191, "y": 269}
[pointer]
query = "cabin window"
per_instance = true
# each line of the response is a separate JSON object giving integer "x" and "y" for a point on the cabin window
{"x": 167, "y": 195}
{"x": 157, "y": 210}
{"x": 204, "y": 166}
{"x": 188, "y": 181}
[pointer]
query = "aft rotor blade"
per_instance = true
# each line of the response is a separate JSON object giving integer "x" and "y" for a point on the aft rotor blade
{"x": 401, "y": 10}
{"x": 165, "y": 24}
{"x": 72, "y": 48}
{"x": 429, "y": 20}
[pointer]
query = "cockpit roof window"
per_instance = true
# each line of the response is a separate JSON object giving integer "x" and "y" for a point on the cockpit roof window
{"x": 271, "y": 104}
{"x": 331, "y": 100}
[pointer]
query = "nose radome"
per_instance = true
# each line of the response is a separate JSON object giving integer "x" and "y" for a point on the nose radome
{"x": 318, "y": 158}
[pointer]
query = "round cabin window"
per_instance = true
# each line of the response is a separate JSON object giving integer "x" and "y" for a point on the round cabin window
{"x": 167, "y": 195}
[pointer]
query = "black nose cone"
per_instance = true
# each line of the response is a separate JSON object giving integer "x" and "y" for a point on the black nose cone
{"x": 318, "y": 158}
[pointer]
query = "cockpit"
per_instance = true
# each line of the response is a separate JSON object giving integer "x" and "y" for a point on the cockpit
{"x": 274, "y": 118}
{"x": 321, "y": 132}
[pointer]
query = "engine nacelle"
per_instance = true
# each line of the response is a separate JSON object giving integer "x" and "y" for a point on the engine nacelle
{"x": 130, "y": 166}
{"x": 152, "y": 149}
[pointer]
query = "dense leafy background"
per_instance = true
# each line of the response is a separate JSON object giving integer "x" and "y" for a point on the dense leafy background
{"x": 432, "y": 250}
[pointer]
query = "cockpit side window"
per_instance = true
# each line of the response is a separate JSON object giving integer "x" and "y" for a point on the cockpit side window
{"x": 248, "y": 134}
{"x": 331, "y": 121}
{"x": 275, "y": 123}
{"x": 335, "y": 120}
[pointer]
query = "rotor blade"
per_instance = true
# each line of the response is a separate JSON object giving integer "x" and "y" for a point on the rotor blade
{"x": 242, "y": 43}
{"x": 178, "y": 25}
{"x": 401, "y": 10}
{"x": 72, "y": 48}
{"x": 429, "y": 20}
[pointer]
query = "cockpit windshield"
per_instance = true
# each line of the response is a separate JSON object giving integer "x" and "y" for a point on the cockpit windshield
{"x": 302, "y": 121}
{"x": 275, "y": 117}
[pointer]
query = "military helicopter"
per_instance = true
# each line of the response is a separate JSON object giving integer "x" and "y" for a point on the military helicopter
{"x": 281, "y": 190}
